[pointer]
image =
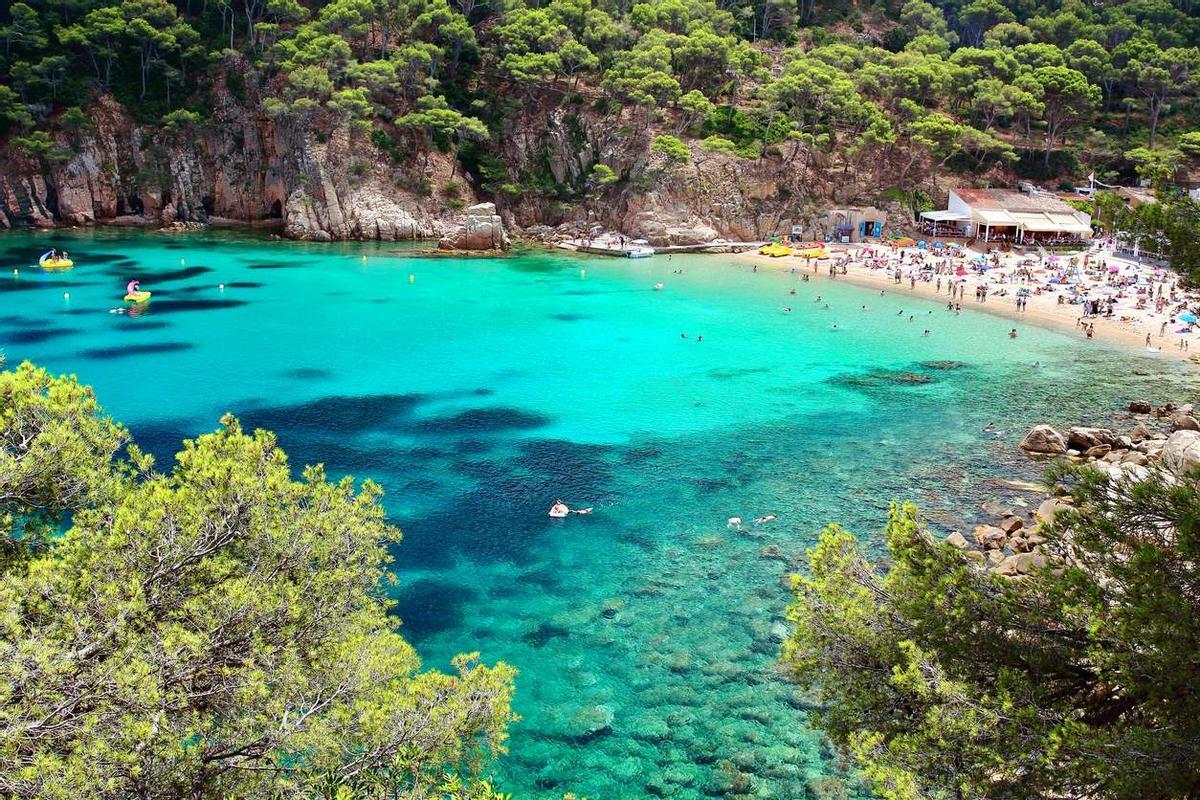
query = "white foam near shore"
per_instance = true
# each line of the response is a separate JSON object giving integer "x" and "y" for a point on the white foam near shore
{"x": 1054, "y": 287}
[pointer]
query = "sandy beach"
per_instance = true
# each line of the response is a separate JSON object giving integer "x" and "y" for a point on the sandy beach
{"x": 1127, "y": 327}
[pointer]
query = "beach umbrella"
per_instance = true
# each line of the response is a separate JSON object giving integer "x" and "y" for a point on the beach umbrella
{"x": 1187, "y": 317}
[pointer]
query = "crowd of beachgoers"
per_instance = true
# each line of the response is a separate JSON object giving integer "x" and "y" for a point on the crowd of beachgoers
{"x": 1093, "y": 290}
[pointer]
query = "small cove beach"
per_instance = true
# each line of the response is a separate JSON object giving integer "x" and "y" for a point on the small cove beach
{"x": 480, "y": 390}
{"x": 1127, "y": 328}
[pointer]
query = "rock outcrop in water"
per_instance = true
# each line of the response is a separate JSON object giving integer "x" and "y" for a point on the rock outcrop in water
{"x": 1011, "y": 544}
{"x": 481, "y": 229}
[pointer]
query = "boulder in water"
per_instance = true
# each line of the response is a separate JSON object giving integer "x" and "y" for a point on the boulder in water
{"x": 1044, "y": 440}
{"x": 1184, "y": 422}
{"x": 1084, "y": 439}
{"x": 989, "y": 537}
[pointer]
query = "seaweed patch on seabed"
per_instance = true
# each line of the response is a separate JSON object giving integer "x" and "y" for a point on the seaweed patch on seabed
{"x": 729, "y": 373}
{"x": 339, "y": 414}
{"x": 943, "y": 365}
{"x": 35, "y": 335}
{"x": 426, "y": 607}
{"x": 195, "y": 305}
{"x": 128, "y": 351}
{"x": 308, "y": 374}
{"x": 128, "y": 324}
{"x": 543, "y": 633}
{"x": 484, "y": 420}
{"x": 881, "y": 380}
{"x": 34, "y": 285}
{"x": 277, "y": 264}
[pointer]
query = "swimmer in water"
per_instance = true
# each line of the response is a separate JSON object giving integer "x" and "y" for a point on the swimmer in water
{"x": 683, "y": 336}
{"x": 827, "y": 306}
{"x": 818, "y": 299}
{"x": 835, "y": 327}
{"x": 900, "y": 313}
{"x": 787, "y": 309}
{"x": 1012, "y": 334}
{"x": 926, "y": 333}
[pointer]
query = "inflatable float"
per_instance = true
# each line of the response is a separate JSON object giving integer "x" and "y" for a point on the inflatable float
{"x": 811, "y": 250}
{"x": 46, "y": 262}
{"x": 560, "y": 510}
{"x": 775, "y": 250}
{"x": 135, "y": 295}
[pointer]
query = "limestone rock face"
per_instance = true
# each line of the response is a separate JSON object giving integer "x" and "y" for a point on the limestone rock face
{"x": 1044, "y": 440}
{"x": 1181, "y": 452}
{"x": 1084, "y": 439}
{"x": 481, "y": 229}
{"x": 957, "y": 540}
{"x": 1184, "y": 422}
{"x": 1047, "y": 509}
{"x": 989, "y": 537}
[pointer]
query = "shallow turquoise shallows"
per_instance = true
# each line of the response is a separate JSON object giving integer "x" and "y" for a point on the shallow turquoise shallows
{"x": 478, "y": 391}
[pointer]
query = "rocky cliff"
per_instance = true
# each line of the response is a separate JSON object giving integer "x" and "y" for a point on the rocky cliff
{"x": 242, "y": 165}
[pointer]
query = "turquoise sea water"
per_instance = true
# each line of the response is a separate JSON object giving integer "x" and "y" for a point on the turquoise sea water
{"x": 483, "y": 389}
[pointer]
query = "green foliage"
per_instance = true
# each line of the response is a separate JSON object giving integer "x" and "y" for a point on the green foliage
{"x": 719, "y": 145}
{"x": 970, "y": 85}
{"x": 1170, "y": 226}
{"x": 943, "y": 679}
{"x": 602, "y": 176}
{"x": 223, "y": 613}
{"x": 671, "y": 147}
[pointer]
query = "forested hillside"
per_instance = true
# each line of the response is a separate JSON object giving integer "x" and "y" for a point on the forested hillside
{"x": 454, "y": 96}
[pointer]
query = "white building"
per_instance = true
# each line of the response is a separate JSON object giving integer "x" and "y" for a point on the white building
{"x": 1004, "y": 215}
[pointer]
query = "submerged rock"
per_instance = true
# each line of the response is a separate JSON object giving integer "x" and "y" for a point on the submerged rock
{"x": 590, "y": 722}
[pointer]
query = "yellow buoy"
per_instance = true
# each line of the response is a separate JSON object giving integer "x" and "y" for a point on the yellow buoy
{"x": 583, "y": 273}
{"x": 221, "y": 287}
{"x": 412, "y": 278}
{"x": 182, "y": 262}
{"x": 15, "y": 272}
{"x": 66, "y": 295}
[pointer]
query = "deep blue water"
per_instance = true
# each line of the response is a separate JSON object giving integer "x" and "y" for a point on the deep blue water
{"x": 477, "y": 391}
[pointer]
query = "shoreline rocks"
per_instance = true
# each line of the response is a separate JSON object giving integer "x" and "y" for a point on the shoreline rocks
{"x": 1044, "y": 440}
{"x": 481, "y": 229}
{"x": 1011, "y": 545}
